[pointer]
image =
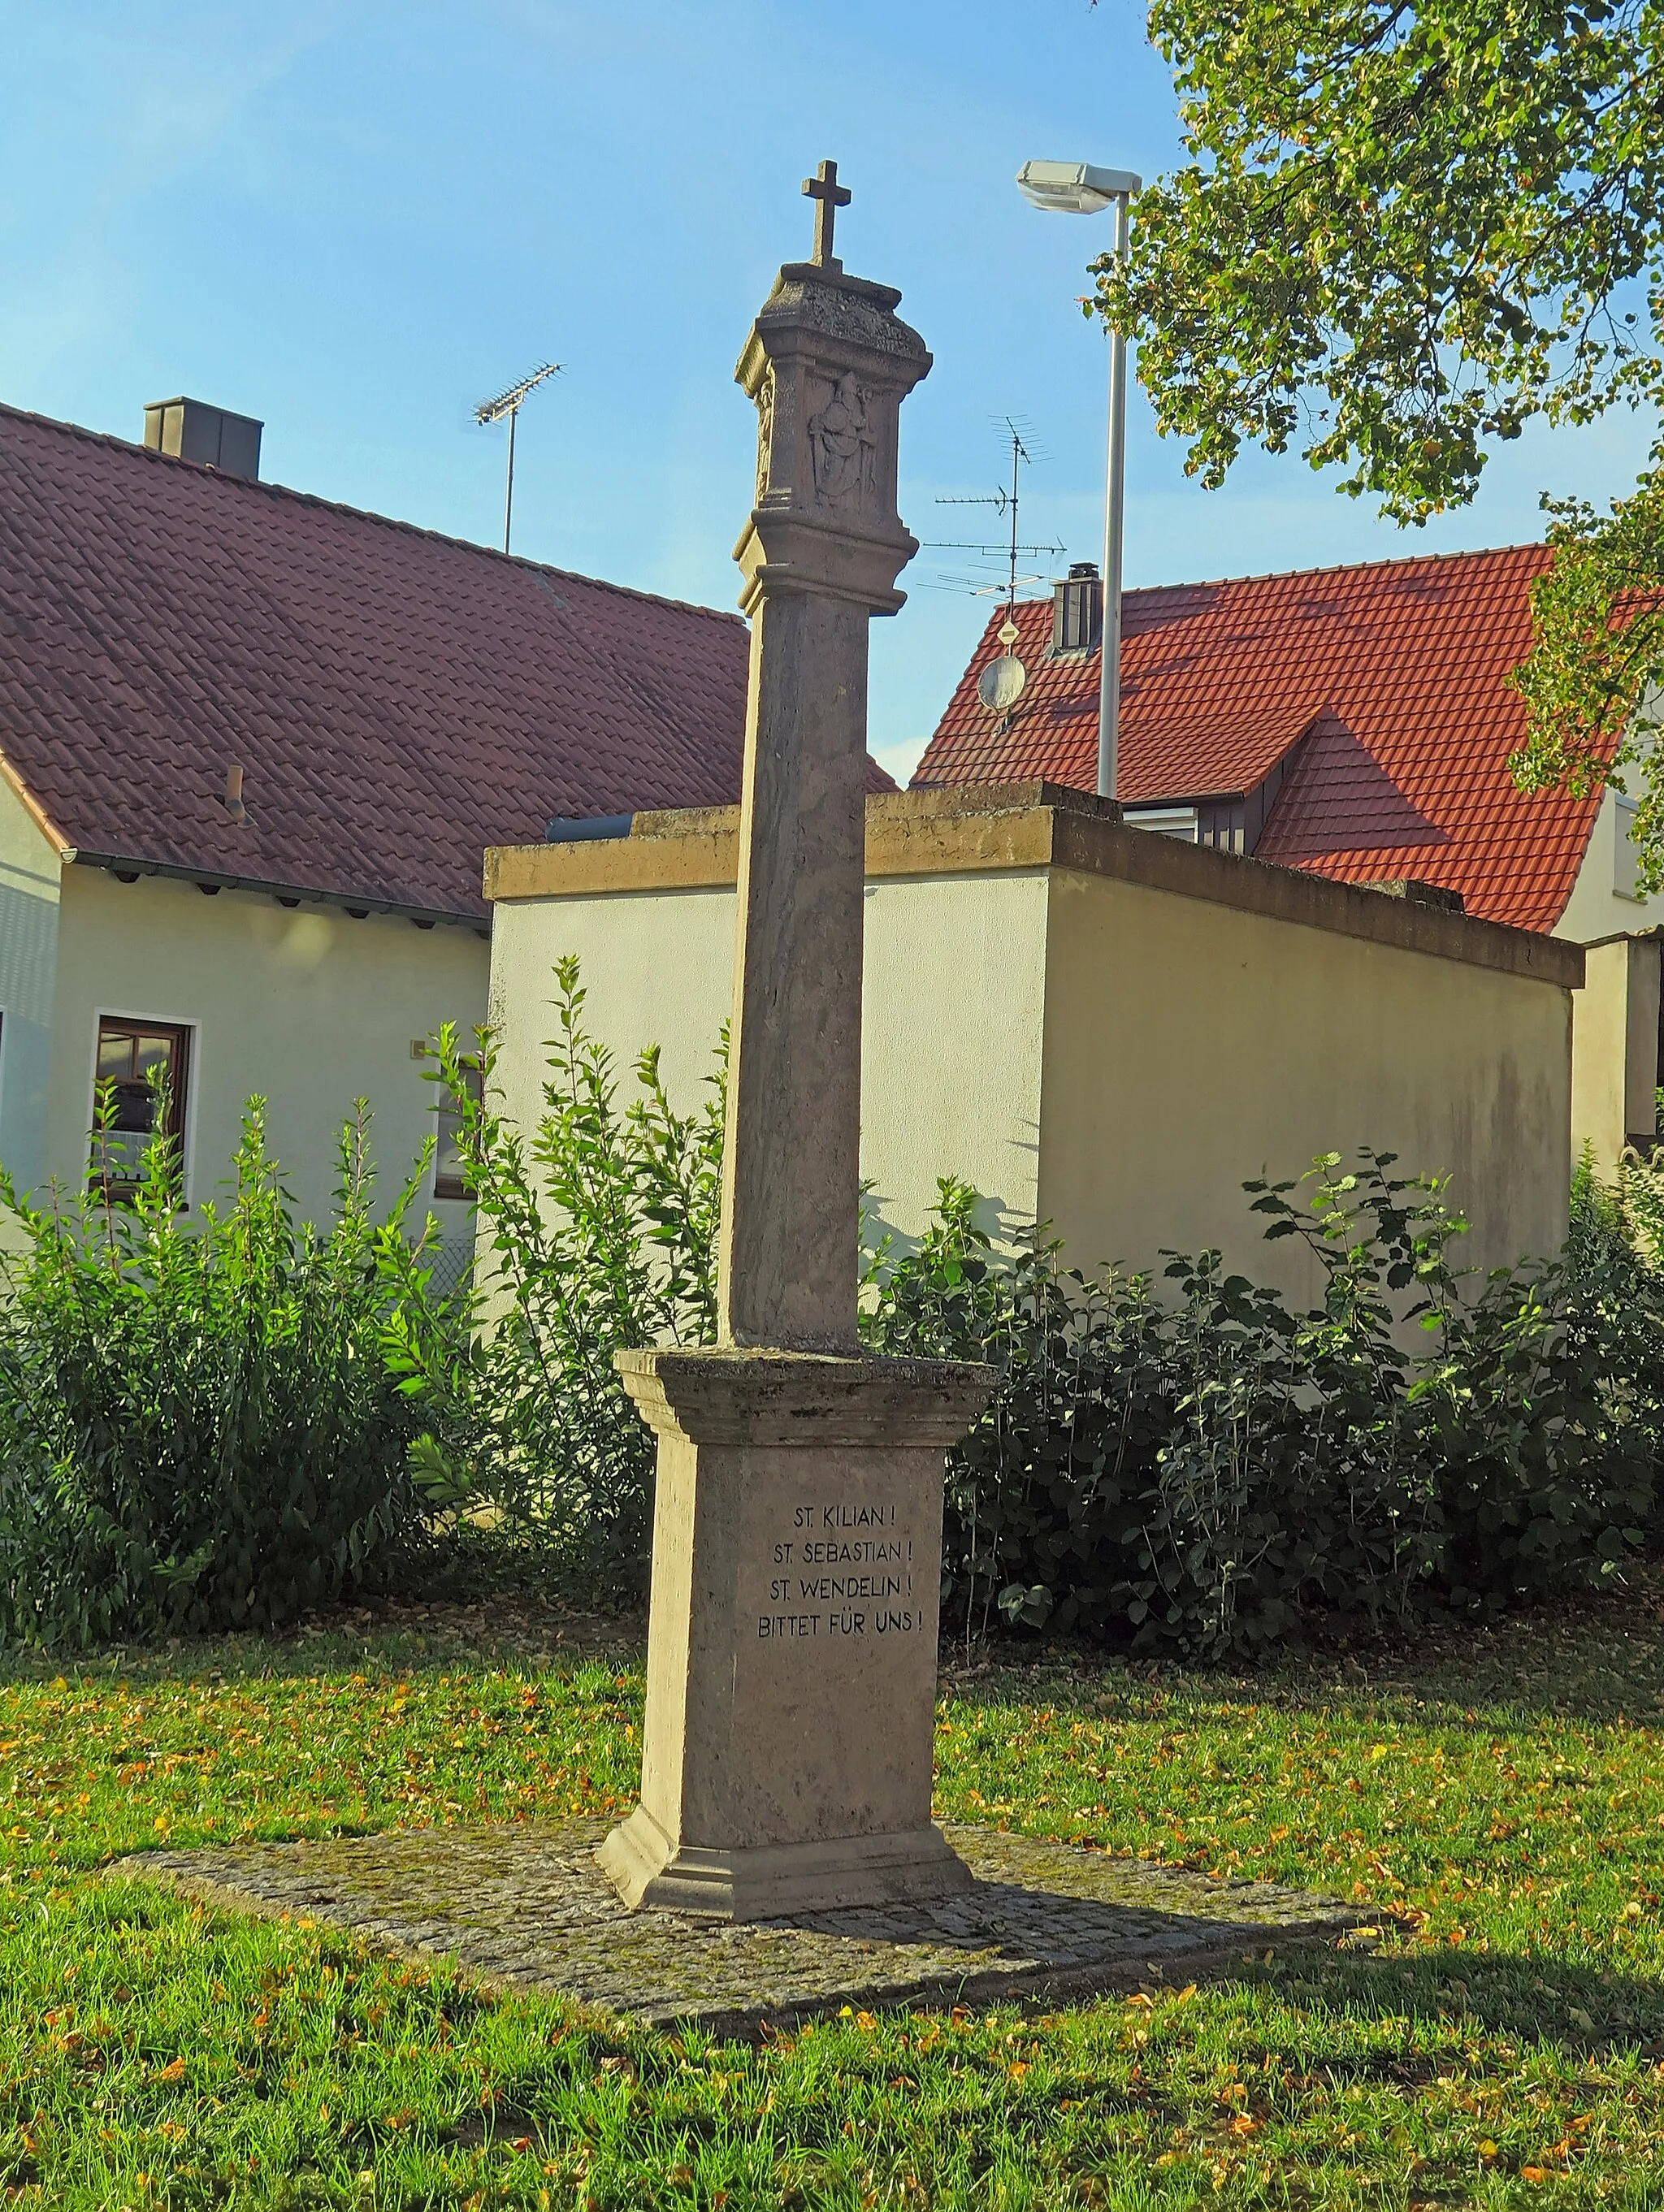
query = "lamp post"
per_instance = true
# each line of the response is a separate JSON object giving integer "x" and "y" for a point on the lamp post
{"x": 1076, "y": 188}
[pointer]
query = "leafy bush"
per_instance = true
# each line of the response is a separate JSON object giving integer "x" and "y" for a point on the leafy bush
{"x": 602, "y": 1228}
{"x": 1202, "y": 1470}
{"x": 196, "y": 1427}
{"x": 222, "y": 1420}
{"x": 1180, "y": 1460}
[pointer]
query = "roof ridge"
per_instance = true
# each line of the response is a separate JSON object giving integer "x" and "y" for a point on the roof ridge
{"x": 149, "y": 455}
{"x": 1343, "y": 568}
{"x": 1292, "y": 575}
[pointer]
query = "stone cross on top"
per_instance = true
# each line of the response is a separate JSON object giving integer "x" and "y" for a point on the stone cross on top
{"x": 829, "y": 196}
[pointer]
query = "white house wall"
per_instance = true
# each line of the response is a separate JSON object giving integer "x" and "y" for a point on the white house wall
{"x": 1602, "y": 902}
{"x": 304, "y": 1004}
{"x": 29, "y": 871}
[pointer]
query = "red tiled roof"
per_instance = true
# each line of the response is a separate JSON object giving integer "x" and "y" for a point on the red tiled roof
{"x": 398, "y": 701}
{"x": 1392, "y": 674}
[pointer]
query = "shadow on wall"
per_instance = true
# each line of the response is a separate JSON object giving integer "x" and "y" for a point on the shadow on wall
{"x": 996, "y": 1217}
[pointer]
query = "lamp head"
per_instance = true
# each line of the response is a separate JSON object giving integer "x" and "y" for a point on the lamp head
{"x": 1074, "y": 188}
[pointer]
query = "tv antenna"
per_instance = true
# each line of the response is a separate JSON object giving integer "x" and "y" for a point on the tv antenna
{"x": 509, "y": 403}
{"x": 1002, "y": 682}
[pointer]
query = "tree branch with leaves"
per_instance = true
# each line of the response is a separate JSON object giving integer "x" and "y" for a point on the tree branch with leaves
{"x": 1402, "y": 230}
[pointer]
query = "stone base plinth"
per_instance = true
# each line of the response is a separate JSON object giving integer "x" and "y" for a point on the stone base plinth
{"x": 766, "y": 1880}
{"x": 791, "y": 1664}
{"x": 523, "y": 1908}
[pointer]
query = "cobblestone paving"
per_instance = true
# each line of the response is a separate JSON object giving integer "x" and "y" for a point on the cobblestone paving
{"x": 524, "y": 1907}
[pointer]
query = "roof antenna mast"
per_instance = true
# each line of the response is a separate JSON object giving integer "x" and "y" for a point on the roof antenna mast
{"x": 1018, "y": 455}
{"x": 509, "y": 403}
{"x": 1003, "y": 681}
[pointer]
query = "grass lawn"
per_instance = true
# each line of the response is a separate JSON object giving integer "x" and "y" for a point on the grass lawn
{"x": 1501, "y": 1791}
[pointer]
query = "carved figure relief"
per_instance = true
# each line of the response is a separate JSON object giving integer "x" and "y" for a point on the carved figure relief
{"x": 842, "y": 447}
{"x": 764, "y": 431}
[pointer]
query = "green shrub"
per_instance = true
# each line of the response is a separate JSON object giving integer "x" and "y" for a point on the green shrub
{"x": 600, "y": 1227}
{"x": 198, "y": 1430}
{"x": 1177, "y": 1460}
{"x": 1203, "y": 1468}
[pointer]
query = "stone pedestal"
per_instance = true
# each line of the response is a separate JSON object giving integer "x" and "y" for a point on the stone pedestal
{"x": 792, "y": 1647}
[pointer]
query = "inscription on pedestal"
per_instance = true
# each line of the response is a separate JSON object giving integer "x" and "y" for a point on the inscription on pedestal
{"x": 844, "y": 1571}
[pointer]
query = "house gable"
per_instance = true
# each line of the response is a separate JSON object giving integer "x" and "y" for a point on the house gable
{"x": 31, "y": 869}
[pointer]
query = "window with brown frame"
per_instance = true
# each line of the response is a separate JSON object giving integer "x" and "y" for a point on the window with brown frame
{"x": 133, "y": 1057}
{"x": 450, "y": 1167}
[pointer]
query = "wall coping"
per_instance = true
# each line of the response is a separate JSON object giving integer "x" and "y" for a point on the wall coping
{"x": 977, "y": 829}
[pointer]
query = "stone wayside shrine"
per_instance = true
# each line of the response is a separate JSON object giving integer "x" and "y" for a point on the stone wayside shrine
{"x": 798, "y": 1532}
{"x": 782, "y": 1861}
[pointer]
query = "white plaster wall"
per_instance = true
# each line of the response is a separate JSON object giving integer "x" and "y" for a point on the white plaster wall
{"x": 29, "y": 872}
{"x": 1614, "y": 1049}
{"x": 304, "y": 1004}
{"x": 656, "y": 969}
{"x": 1191, "y": 1046}
{"x": 951, "y": 1035}
{"x": 1110, "y": 1057}
{"x": 1615, "y": 1063}
{"x": 954, "y": 1023}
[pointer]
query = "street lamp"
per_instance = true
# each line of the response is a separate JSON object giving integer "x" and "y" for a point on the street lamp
{"x": 1076, "y": 188}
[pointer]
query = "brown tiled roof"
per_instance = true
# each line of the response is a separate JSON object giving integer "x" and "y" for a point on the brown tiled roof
{"x": 397, "y": 701}
{"x": 1392, "y": 675}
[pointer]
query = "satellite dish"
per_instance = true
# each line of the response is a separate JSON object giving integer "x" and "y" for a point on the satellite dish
{"x": 1001, "y": 683}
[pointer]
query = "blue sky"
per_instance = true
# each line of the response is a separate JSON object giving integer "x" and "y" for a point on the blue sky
{"x": 355, "y": 221}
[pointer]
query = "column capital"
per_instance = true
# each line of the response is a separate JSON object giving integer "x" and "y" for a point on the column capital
{"x": 804, "y": 1401}
{"x": 827, "y": 364}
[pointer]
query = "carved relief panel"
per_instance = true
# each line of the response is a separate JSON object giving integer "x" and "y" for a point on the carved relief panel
{"x": 843, "y": 447}
{"x": 765, "y": 430}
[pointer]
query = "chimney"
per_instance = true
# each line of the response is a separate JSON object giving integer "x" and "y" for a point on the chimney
{"x": 1077, "y": 608}
{"x": 196, "y": 432}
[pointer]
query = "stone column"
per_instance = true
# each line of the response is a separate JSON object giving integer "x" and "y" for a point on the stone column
{"x": 797, "y": 1522}
{"x": 791, "y": 1176}
{"x": 828, "y": 365}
